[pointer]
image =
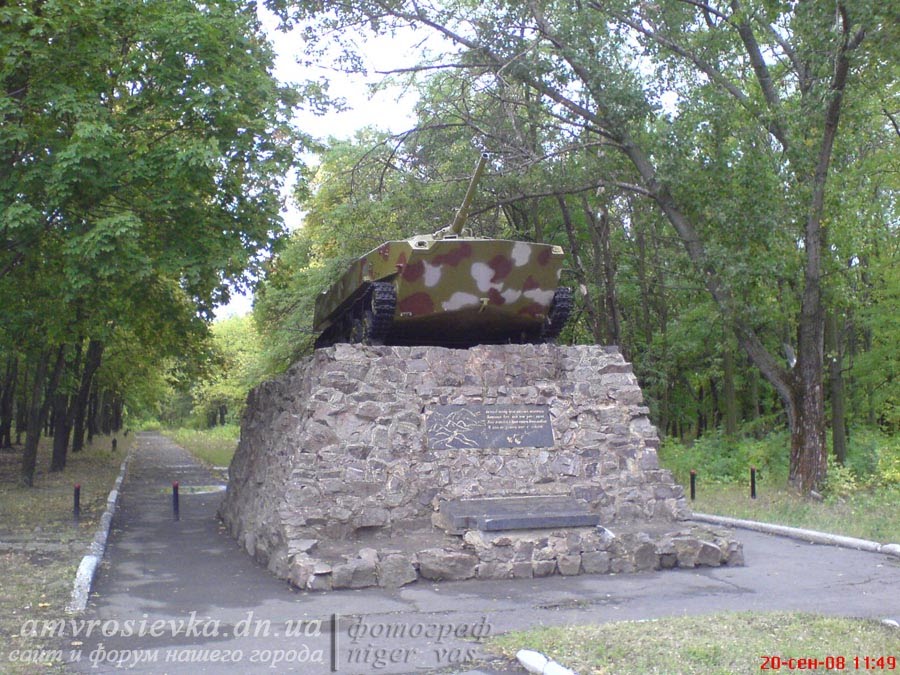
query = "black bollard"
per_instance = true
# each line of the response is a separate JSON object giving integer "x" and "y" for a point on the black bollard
{"x": 175, "y": 500}
{"x": 76, "y": 503}
{"x": 114, "y": 445}
{"x": 752, "y": 482}
{"x": 693, "y": 484}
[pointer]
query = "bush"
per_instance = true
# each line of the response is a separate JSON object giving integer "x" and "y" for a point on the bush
{"x": 728, "y": 460}
{"x": 873, "y": 460}
{"x": 841, "y": 480}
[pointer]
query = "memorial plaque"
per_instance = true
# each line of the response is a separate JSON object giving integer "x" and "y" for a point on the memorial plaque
{"x": 489, "y": 426}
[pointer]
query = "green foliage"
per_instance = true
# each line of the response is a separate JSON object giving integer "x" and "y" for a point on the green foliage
{"x": 285, "y": 301}
{"x": 144, "y": 146}
{"x": 211, "y": 388}
{"x": 860, "y": 497}
{"x": 876, "y": 369}
{"x": 718, "y": 459}
{"x": 841, "y": 481}
{"x": 873, "y": 459}
{"x": 213, "y": 446}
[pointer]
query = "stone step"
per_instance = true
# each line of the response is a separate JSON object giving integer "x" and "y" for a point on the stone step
{"x": 495, "y": 514}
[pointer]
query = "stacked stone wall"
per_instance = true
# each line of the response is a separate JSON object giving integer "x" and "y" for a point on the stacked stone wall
{"x": 337, "y": 446}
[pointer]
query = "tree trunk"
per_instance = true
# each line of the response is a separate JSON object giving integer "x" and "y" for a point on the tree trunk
{"x": 60, "y": 432}
{"x": 33, "y": 427}
{"x": 93, "y": 420}
{"x": 835, "y": 354}
{"x": 581, "y": 275}
{"x": 63, "y": 414}
{"x": 22, "y": 407}
{"x": 92, "y": 361}
{"x": 664, "y": 407}
{"x": 808, "y": 449}
{"x": 644, "y": 286}
{"x": 7, "y": 400}
{"x": 37, "y": 412}
{"x": 701, "y": 412}
{"x": 753, "y": 393}
{"x": 106, "y": 413}
{"x": 730, "y": 397}
{"x": 118, "y": 409}
{"x": 600, "y": 235}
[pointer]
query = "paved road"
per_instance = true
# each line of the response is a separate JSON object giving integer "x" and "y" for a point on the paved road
{"x": 180, "y": 597}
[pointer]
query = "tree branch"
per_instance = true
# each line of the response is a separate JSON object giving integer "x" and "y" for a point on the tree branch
{"x": 706, "y": 8}
{"x": 893, "y": 120}
{"x": 745, "y": 30}
{"x": 706, "y": 68}
{"x": 803, "y": 79}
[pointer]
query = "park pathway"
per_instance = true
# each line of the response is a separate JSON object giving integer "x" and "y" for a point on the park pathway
{"x": 181, "y": 597}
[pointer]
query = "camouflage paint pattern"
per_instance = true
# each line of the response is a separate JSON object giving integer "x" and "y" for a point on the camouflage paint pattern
{"x": 452, "y": 286}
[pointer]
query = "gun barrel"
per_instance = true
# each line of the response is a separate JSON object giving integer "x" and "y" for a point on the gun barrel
{"x": 463, "y": 214}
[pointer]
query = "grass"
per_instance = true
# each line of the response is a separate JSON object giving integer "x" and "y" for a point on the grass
{"x": 860, "y": 498}
{"x": 722, "y": 643}
{"x": 214, "y": 446}
{"x": 867, "y": 513}
{"x": 39, "y": 570}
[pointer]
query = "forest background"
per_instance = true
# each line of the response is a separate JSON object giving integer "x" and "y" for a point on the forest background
{"x": 722, "y": 175}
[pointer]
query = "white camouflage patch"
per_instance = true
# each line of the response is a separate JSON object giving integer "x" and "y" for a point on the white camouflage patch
{"x": 540, "y": 296}
{"x": 511, "y": 295}
{"x": 432, "y": 274}
{"x": 482, "y": 274}
{"x": 521, "y": 253}
{"x": 459, "y": 300}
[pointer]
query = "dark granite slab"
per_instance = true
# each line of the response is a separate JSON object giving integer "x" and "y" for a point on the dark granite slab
{"x": 516, "y": 513}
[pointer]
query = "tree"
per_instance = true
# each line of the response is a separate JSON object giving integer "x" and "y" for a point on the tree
{"x": 770, "y": 78}
{"x": 142, "y": 152}
{"x": 219, "y": 397}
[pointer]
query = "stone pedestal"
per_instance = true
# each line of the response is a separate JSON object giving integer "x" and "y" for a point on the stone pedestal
{"x": 338, "y": 474}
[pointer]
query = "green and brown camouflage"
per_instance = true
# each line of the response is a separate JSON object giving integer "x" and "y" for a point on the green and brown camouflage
{"x": 447, "y": 288}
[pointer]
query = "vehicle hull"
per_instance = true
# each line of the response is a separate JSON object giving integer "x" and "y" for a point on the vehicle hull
{"x": 451, "y": 290}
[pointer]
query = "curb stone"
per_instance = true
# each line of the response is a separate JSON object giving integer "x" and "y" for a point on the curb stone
{"x": 87, "y": 569}
{"x": 811, "y": 536}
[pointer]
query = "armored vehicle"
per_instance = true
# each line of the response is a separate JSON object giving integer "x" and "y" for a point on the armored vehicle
{"x": 447, "y": 288}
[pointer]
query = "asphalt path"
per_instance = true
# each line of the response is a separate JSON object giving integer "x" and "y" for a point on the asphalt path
{"x": 181, "y": 597}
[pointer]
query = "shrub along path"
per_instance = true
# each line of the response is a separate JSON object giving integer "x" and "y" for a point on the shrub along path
{"x": 181, "y": 597}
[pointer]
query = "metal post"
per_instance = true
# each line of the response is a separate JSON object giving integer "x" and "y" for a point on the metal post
{"x": 175, "y": 500}
{"x": 752, "y": 482}
{"x": 693, "y": 484}
{"x": 76, "y": 503}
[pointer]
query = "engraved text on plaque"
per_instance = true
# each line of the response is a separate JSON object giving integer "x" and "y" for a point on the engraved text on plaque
{"x": 489, "y": 426}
